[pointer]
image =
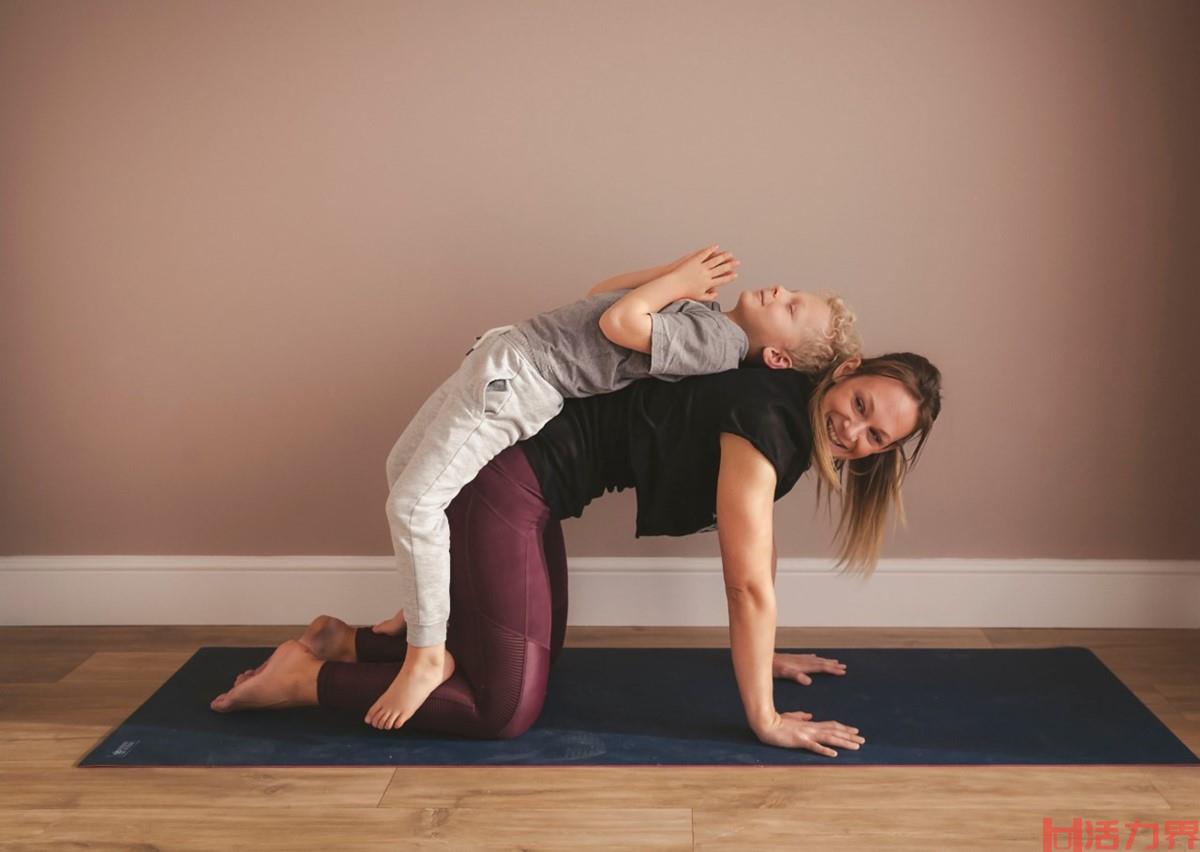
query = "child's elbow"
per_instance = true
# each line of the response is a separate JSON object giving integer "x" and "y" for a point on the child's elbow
{"x": 610, "y": 327}
{"x": 626, "y": 330}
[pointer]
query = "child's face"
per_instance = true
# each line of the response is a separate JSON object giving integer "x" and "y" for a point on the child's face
{"x": 781, "y": 318}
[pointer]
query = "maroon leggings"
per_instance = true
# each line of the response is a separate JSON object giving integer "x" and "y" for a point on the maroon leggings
{"x": 508, "y": 614}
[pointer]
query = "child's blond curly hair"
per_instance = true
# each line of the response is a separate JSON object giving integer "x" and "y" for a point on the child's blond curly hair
{"x": 842, "y": 342}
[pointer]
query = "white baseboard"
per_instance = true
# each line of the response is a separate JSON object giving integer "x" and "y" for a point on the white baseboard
{"x": 84, "y": 590}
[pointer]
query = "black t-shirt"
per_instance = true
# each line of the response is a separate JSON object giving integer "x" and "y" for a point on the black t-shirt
{"x": 663, "y": 438}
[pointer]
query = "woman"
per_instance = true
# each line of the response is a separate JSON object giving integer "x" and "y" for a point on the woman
{"x": 719, "y": 446}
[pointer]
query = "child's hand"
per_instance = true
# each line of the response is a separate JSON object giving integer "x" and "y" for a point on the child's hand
{"x": 701, "y": 273}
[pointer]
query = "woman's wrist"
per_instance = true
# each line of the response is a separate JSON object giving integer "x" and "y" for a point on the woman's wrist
{"x": 763, "y": 720}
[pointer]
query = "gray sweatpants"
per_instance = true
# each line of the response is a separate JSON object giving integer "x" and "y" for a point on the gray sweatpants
{"x": 495, "y": 399}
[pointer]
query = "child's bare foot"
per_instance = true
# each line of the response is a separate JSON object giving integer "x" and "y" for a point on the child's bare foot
{"x": 420, "y": 675}
{"x": 287, "y": 679}
{"x": 393, "y": 626}
{"x": 327, "y": 637}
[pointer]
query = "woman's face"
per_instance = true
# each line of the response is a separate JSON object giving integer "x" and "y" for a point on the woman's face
{"x": 866, "y": 414}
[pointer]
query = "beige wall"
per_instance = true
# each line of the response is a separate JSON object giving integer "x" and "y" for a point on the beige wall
{"x": 241, "y": 242}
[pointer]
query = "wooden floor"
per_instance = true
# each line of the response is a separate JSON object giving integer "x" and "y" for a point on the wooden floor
{"x": 62, "y": 689}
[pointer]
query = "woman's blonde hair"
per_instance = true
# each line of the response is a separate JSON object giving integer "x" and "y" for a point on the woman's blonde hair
{"x": 874, "y": 481}
{"x": 842, "y": 343}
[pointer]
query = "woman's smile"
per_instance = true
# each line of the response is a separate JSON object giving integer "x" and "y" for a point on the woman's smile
{"x": 832, "y": 436}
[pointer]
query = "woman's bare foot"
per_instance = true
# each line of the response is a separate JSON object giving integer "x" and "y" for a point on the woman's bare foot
{"x": 330, "y": 639}
{"x": 327, "y": 637}
{"x": 393, "y": 626}
{"x": 237, "y": 681}
{"x": 287, "y": 679}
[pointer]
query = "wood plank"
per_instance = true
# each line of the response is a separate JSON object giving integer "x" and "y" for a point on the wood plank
{"x": 951, "y": 827}
{"x": 1094, "y": 638}
{"x": 1138, "y": 666}
{"x": 325, "y": 827}
{"x": 170, "y": 787}
{"x": 48, "y": 745}
{"x": 40, "y": 665}
{"x": 1185, "y": 697}
{"x": 1180, "y": 786}
{"x": 104, "y": 689}
{"x": 107, "y": 667}
{"x": 893, "y": 787}
{"x": 73, "y": 703}
{"x": 22, "y": 641}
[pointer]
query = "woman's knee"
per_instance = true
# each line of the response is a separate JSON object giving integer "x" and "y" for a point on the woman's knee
{"x": 531, "y": 692}
{"x": 512, "y": 725}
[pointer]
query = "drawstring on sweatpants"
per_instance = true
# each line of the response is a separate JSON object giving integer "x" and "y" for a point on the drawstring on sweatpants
{"x": 486, "y": 335}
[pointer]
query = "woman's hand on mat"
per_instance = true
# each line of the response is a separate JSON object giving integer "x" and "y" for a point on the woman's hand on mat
{"x": 701, "y": 273}
{"x": 798, "y": 667}
{"x": 795, "y": 730}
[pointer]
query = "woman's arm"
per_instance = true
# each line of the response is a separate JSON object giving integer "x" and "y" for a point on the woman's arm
{"x": 745, "y": 503}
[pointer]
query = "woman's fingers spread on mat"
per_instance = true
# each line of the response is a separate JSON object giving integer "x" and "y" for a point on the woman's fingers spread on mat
{"x": 791, "y": 730}
{"x": 798, "y": 667}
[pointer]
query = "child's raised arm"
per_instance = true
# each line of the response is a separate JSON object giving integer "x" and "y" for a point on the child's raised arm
{"x": 627, "y": 322}
{"x": 629, "y": 280}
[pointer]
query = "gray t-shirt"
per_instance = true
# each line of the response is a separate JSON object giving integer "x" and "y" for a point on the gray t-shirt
{"x": 687, "y": 338}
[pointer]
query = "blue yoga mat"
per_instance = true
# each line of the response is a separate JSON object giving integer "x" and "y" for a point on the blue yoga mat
{"x": 680, "y": 706}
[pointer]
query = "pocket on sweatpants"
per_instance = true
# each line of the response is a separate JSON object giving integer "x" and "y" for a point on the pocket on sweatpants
{"x": 495, "y": 395}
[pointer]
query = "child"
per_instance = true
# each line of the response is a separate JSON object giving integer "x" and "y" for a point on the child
{"x": 513, "y": 381}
